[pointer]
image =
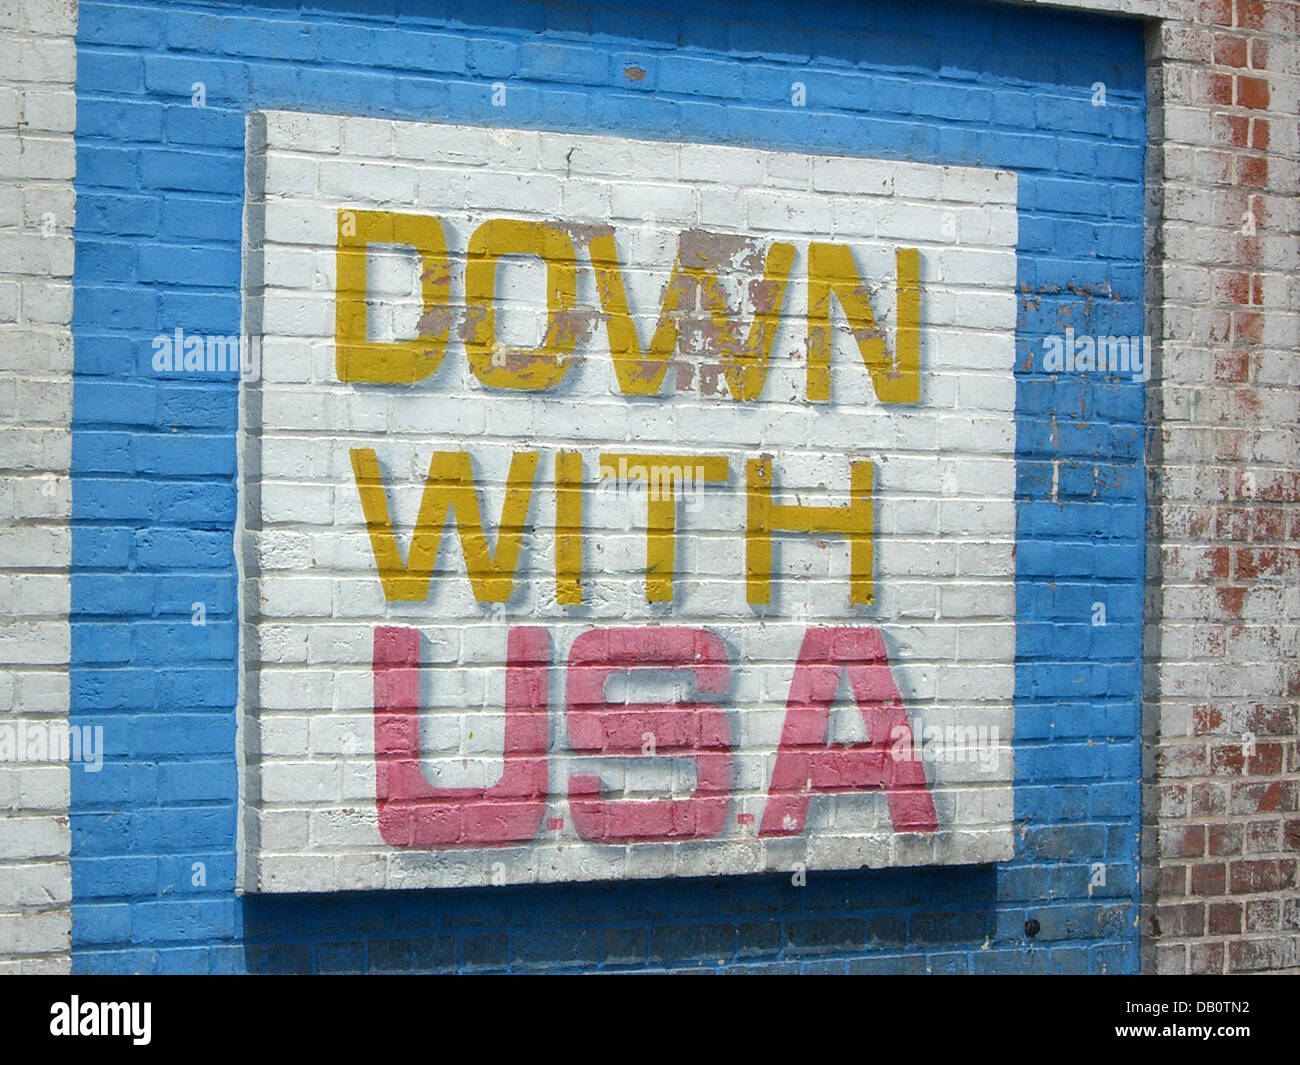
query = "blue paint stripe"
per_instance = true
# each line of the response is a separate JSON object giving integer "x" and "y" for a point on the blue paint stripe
{"x": 159, "y": 195}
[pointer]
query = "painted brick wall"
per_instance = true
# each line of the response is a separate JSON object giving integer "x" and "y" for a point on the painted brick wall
{"x": 938, "y": 605}
{"x": 1219, "y": 832}
{"x": 1220, "y": 828}
{"x": 1225, "y": 764}
{"x": 37, "y": 112}
{"x": 160, "y": 184}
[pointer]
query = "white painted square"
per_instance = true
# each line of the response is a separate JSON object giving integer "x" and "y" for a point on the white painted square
{"x": 944, "y": 482}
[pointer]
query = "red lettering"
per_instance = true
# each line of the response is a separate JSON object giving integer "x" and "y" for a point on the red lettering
{"x": 414, "y": 814}
{"x": 806, "y": 764}
{"x": 700, "y": 731}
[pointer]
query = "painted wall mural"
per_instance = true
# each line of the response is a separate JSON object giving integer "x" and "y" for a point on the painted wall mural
{"x": 619, "y": 509}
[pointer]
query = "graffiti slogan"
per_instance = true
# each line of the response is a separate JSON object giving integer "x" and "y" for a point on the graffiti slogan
{"x": 620, "y": 509}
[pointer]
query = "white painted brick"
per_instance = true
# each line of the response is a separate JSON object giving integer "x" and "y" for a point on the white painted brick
{"x": 856, "y": 176}
{"x": 422, "y": 144}
{"x": 789, "y": 212}
{"x": 719, "y": 208}
{"x": 50, "y": 112}
{"x": 374, "y": 182}
{"x": 294, "y": 174}
{"x": 34, "y": 933}
{"x": 372, "y": 139}
{"x": 659, "y": 203}
{"x": 40, "y": 836}
{"x": 38, "y": 56}
{"x": 650, "y": 192}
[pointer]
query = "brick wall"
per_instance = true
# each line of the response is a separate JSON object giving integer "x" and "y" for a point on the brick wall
{"x": 1220, "y": 827}
{"x": 37, "y": 111}
{"x": 1223, "y": 770}
{"x": 321, "y": 407}
{"x": 158, "y": 179}
{"x": 162, "y": 191}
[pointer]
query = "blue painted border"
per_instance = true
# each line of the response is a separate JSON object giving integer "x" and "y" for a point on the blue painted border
{"x": 159, "y": 200}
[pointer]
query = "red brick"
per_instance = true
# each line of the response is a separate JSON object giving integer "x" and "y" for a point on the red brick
{"x": 1233, "y": 287}
{"x": 1254, "y": 955}
{"x": 1172, "y": 881}
{"x": 1183, "y": 841}
{"x": 1206, "y": 719}
{"x": 1231, "y": 523}
{"x": 1217, "y": 89}
{"x": 1223, "y": 840}
{"x": 1256, "y": 797}
{"x": 1182, "y": 921}
{"x": 1205, "y": 958}
{"x": 1252, "y": 172}
{"x": 1259, "y": 135}
{"x": 1226, "y": 758}
{"x": 1263, "y": 837}
{"x": 1232, "y": 129}
{"x": 1271, "y": 720}
{"x": 1247, "y": 328}
{"x": 1250, "y": 14}
{"x": 1231, "y": 599}
{"x": 1282, "y": 487}
{"x": 1230, "y": 50}
{"x": 1261, "y": 562}
{"x": 1270, "y": 524}
{"x": 1258, "y": 53}
{"x": 1173, "y": 800}
{"x": 1209, "y": 879}
{"x": 1217, "y": 12}
{"x": 1266, "y": 761}
{"x": 1233, "y": 445}
{"x": 1254, "y": 877}
{"x": 1214, "y": 562}
{"x": 1198, "y": 521}
{"x": 1183, "y": 760}
{"x": 1224, "y": 918}
{"x": 1252, "y": 92}
{"x": 1232, "y": 367}
{"x": 1208, "y": 798}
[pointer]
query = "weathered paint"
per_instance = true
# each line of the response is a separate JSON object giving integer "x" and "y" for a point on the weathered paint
{"x": 762, "y": 517}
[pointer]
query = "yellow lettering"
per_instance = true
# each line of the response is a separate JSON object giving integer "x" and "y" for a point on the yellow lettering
{"x": 568, "y": 528}
{"x": 853, "y": 521}
{"x": 831, "y": 270}
{"x": 662, "y": 474}
{"x": 396, "y": 362}
{"x": 448, "y": 490}
{"x": 514, "y": 368}
{"x": 640, "y": 372}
